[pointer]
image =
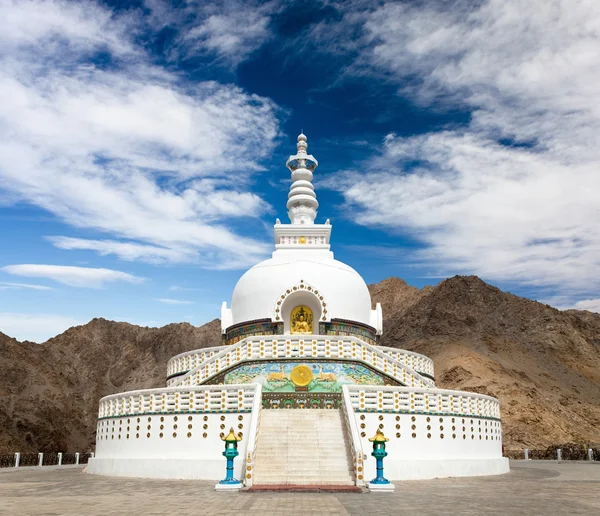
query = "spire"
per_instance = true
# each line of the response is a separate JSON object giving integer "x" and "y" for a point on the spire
{"x": 302, "y": 202}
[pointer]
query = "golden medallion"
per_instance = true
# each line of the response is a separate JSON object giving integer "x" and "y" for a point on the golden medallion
{"x": 301, "y": 375}
{"x": 302, "y": 240}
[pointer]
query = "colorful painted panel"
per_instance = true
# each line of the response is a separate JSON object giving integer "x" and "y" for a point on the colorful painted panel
{"x": 263, "y": 327}
{"x": 349, "y": 329}
{"x": 291, "y": 376}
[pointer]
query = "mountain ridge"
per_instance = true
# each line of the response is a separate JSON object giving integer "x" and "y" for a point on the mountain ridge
{"x": 542, "y": 363}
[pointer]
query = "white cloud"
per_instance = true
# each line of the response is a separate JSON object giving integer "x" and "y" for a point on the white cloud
{"x": 177, "y": 288}
{"x": 72, "y": 276}
{"x": 169, "y": 301}
{"x": 129, "y": 251}
{"x": 515, "y": 193}
{"x": 34, "y": 327}
{"x": 20, "y": 286}
{"x": 128, "y": 149}
{"x": 229, "y": 30}
{"x": 593, "y": 305}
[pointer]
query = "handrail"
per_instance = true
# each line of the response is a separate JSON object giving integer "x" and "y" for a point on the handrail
{"x": 253, "y": 438}
{"x": 306, "y": 347}
{"x": 355, "y": 441}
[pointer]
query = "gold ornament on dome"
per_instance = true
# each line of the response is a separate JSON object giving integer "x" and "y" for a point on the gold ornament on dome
{"x": 301, "y": 375}
{"x": 301, "y": 320}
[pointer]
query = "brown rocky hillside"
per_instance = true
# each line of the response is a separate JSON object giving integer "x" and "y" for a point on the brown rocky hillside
{"x": 543, "y": 364}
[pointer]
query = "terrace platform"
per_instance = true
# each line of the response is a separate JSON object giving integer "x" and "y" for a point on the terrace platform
{"x": 531, "y": 488}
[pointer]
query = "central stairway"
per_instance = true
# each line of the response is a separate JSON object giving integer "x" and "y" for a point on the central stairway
{"x": 302, "y": 447}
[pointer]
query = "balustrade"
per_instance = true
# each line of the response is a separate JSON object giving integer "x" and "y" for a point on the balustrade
{"x": 188, "y": 399}
{"x": 313, "y": 347}
{"x": 422, "y": 401}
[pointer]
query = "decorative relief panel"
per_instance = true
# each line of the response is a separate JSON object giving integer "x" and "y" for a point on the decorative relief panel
{"x": 306, "y": 376}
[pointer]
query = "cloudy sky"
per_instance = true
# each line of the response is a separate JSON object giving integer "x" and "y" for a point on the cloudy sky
{"x": 142, "y": 148}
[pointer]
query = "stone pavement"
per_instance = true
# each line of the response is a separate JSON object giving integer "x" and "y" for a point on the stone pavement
{"x": 531, "y": 488}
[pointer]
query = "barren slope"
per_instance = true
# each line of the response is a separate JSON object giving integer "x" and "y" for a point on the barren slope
{"x": 543, "y": 364}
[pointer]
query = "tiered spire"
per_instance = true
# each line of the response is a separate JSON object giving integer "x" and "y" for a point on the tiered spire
{"x": 302, "y": 201}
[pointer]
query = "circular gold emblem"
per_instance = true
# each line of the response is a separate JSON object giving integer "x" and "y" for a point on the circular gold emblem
{"x": 301, "y": 375}
{"x": 302, "y": 240}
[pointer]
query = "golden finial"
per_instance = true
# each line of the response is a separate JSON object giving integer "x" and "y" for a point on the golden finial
{"x": 379, "y": 437}
{"x": 231, "y": 437}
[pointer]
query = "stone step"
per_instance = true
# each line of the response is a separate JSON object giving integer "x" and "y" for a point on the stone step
{"x": 304, "y": 481}
{"x": 321, "y": 466}
{"x": 302, "y": 447}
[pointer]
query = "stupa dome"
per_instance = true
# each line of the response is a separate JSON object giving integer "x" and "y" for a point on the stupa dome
{"x": 302, "y": 275}
{"x": 332, "y": 289}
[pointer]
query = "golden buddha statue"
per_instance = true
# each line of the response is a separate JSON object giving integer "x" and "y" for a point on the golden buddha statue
{"x": 301, "y": 320}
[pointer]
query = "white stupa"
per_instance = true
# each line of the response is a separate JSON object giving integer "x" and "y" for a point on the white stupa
{"x": 301, "y": 382}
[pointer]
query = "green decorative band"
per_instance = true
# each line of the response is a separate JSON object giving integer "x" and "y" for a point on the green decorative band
{"x": 419, "y": 413}
{"x": 306, "y": 400}
{"x": 179, "y": 413}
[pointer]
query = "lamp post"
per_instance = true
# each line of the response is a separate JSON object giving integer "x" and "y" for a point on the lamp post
{"x": 380, "y": 483}
{"x": 231, "y": 452}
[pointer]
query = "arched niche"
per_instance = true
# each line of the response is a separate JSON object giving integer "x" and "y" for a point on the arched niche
{"x": 301, "y": 298}
{"x": 300, "y": 295}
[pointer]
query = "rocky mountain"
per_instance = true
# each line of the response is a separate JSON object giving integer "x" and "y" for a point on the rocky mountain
{"x": 543, "y": 364}
{"x": 49, "y": 392}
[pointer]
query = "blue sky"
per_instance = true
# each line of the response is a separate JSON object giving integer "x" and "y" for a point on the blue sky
{"x": 143, "y": 146}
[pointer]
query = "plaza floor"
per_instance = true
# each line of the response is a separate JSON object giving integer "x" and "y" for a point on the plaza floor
{"x": 531, "y": 488}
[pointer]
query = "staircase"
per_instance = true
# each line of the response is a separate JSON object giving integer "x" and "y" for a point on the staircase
{"x": 302, "y": 447}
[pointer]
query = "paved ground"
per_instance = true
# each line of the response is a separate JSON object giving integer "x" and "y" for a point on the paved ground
{"x": 531, "y": 488}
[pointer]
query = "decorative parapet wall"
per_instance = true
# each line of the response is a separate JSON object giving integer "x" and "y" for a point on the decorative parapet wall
{"x": 432, "y": 433}
{"x": 190, "y": 359}
{"x": 181, "y": 364}
{"x": 309, "y": 347}
{"x": 174, "y": 432}
{"x": 179, "y": 400}
{"x": 423, "y": 401}
{"x": 416, "y": 361}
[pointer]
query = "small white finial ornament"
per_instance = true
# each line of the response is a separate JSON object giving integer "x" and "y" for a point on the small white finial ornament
{"x": 302, "y": 202}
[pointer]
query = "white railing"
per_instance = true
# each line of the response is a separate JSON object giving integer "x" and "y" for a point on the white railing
{"x": 354, "y": 434}
{"x": 415, "y": 361}
{"x": 191, "y": 359}
{"x": 304, "y": 347}
{"x": 253, "y": 438}
{"x": 422, "y": 401}
{"x": 207, "y": 398}
{"x": 185, "y": 362}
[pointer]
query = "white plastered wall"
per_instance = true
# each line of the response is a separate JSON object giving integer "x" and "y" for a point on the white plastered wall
{"x": 183, "y": 457}
{"x": 422, "y": 457}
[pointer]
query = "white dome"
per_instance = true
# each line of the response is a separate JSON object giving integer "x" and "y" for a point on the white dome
{"x": 345, "y": 294}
